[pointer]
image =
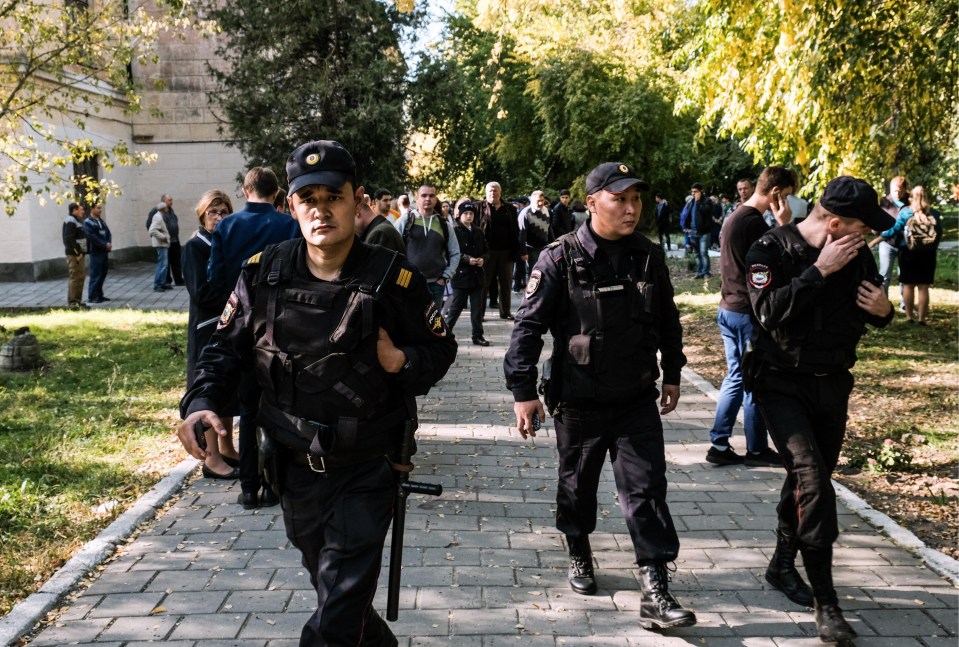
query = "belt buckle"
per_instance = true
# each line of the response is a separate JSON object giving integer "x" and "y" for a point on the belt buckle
{"x": 309, "y": 461}
{"x": 820, "y": 374}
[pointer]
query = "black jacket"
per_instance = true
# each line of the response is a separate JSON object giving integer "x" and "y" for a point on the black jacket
{"x": 806, "y": 323}
{"x": 548, "y": 306}
{"x": 472, "y": 245}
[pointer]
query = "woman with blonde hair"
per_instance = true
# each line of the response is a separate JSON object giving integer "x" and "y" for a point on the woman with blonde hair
{"x": 205, "y": 309}
{"x": 921, "y": 229}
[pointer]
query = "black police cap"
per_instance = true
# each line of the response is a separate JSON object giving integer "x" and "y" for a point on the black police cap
{"x": 851, "y": 197}
{"x": 320, "y": 162}
{"x": 614, "y": 177}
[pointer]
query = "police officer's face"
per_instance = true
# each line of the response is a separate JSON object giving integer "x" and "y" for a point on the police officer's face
{"x": 615, "y": 215}
{"x": 327, "y": 215}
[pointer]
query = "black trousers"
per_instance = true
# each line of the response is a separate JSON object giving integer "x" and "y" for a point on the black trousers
{"x": 338, "y": 521}
{"x": 499, "y": 268}
{"x": 249, "y": 399}
{"x": 175, "y": 273}
{"x": 806, "y": 419}
{"x": 632, "y": 435}
{"x": 455, "y": 304}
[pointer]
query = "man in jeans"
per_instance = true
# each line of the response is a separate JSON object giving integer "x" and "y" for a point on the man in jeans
{"x": 696, "y": 220}
{"x": 743, "y": 228}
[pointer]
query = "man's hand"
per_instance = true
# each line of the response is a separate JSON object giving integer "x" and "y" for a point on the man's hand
{"x": 188, "y": 438}
{"x": 391, "y": 358}
{"x": 524, "y": 416}
{"x": 779, "y": 205}
{"x": 836, "y": 254}
{"x": 441, "y": 281}
{"x": 670, "y": 398}
{"x": 872, "y": 299}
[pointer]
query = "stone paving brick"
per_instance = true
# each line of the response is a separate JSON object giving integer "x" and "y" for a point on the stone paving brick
{"x": 242, "y": 580}
{"x": 251, "y": 601}
{"x": 126, "y": 604}
{"x": 180, "y": 581}
{"x": 273, "y": 625}
{"x": 209, "y": 626}
{"x": 904, "y": 622}
{"x": 59, "y": 634}
{"x": 149, "y": 628}
{"x": 130, "y": 582}
{"x": 182, "y": 603}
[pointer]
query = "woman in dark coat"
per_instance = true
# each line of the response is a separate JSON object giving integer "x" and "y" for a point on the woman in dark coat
{"x": 205, "y": 309}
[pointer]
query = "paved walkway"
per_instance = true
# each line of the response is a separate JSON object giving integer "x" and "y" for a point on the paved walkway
{"x": 484, "y": 565}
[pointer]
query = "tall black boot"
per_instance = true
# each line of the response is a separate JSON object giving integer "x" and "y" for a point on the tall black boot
{"x": 581, "y": 577}
{"x": 660, "y": 609}
{"x": 832, "y": 627}
{"x": 782, "y": 574}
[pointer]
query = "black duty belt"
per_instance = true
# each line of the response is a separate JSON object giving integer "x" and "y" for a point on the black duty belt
{"x": 324, "y": 464}
{"x": 340, "y": 436}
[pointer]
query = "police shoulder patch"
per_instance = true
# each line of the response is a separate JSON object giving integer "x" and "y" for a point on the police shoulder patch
{"x": 533, "y": 284}
{"x": 759, "y": 275}
{"x": 403, "y": 278}
{"x": 435, "y": 321}
{"x": 229, "y": 312}
{"x": 253, "y": 260}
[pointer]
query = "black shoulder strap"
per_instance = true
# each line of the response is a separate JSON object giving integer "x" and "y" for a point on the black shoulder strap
{"x": 276, "y": 268}
{"x": 358, "y": 320}
{"x": 408, "y": 226}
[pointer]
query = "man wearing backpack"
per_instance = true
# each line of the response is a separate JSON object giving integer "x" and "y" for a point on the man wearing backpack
{"x": 429, "y": 243}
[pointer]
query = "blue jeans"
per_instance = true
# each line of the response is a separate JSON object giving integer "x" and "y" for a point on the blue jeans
{"x": 736, "y": 329}
{"x": 887, "y": 261}
{"x": 97, "y": 265}
{"x": 700, "y": 244}
{"x": 438, "y": 291}
{"x": 163, "y": 264}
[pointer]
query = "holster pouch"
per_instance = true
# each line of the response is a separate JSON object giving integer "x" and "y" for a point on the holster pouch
{"x": 269, "y": 464}
{"x": 752, "y": 366}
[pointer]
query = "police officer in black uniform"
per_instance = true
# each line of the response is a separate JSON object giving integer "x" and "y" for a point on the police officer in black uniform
{"x": 813, "y": 288}
{"x": 341, "y": 336}
{"x": 604, "y": 294}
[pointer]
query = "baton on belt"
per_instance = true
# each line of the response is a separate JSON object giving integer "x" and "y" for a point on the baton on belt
{"x": 404, "y": 488}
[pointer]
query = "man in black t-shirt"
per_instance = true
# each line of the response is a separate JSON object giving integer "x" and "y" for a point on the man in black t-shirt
{"x": 743, "y": 228}
{"x": 499, "y": 223}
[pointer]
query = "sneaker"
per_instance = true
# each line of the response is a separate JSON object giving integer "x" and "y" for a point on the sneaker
{"x": 727, "y": 457}
{"x": 766, "y": 458}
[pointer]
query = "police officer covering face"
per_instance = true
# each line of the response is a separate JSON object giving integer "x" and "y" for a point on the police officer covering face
{"x": 813, "y": 288}
{"x": 604, "y": 294}
{"x": 341, "y": 336}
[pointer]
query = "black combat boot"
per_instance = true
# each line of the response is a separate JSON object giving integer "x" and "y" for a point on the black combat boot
{"x": 782, "y": 574}
{"x": 832, "y": 627}
{"x": 581, "y": 577}
{"x": 659, "y": 609}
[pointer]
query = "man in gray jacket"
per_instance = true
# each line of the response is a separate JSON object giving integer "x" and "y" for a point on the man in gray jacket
{"x": 430, "y": 243}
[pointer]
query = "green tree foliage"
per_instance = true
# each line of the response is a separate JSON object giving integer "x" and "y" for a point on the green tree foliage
{"x": 61, "y": 62}
{"x": 867, "y": 88}
{"x": 328, "y": 69}
{"x": 535, "y": 94}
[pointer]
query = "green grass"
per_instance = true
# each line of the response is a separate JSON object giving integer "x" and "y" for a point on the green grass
{"x": 93, "y": 427}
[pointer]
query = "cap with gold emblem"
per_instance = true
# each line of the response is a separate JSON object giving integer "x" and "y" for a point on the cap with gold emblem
{"x": 320, "y": 162}
{"x": 614, "y": 177}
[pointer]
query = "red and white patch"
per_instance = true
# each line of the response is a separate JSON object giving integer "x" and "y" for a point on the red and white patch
{"x": 435, "y": 321}
{"x": 229, "y": 311}
{"x": 533, "y": 284}
{"x": 759, "y": 276}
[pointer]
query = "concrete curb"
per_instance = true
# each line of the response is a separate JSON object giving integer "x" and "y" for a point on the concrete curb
{"x": 937, "y": 562}
{"x": 25, "y": 615}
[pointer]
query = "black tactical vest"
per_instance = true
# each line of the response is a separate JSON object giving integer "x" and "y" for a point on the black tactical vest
{"x": 324, "y": 390}
{"x": 610, "y": 333}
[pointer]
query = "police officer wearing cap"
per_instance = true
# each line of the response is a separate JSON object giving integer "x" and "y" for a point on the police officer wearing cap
{"x": 604, "y": 294}
{"x": 813, "y": 288}
{"x": 341, "y": 336}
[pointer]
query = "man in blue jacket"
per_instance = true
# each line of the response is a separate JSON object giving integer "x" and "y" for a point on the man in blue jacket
{"x": 237, "y": 238}
{"x": 99, "y": 244}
